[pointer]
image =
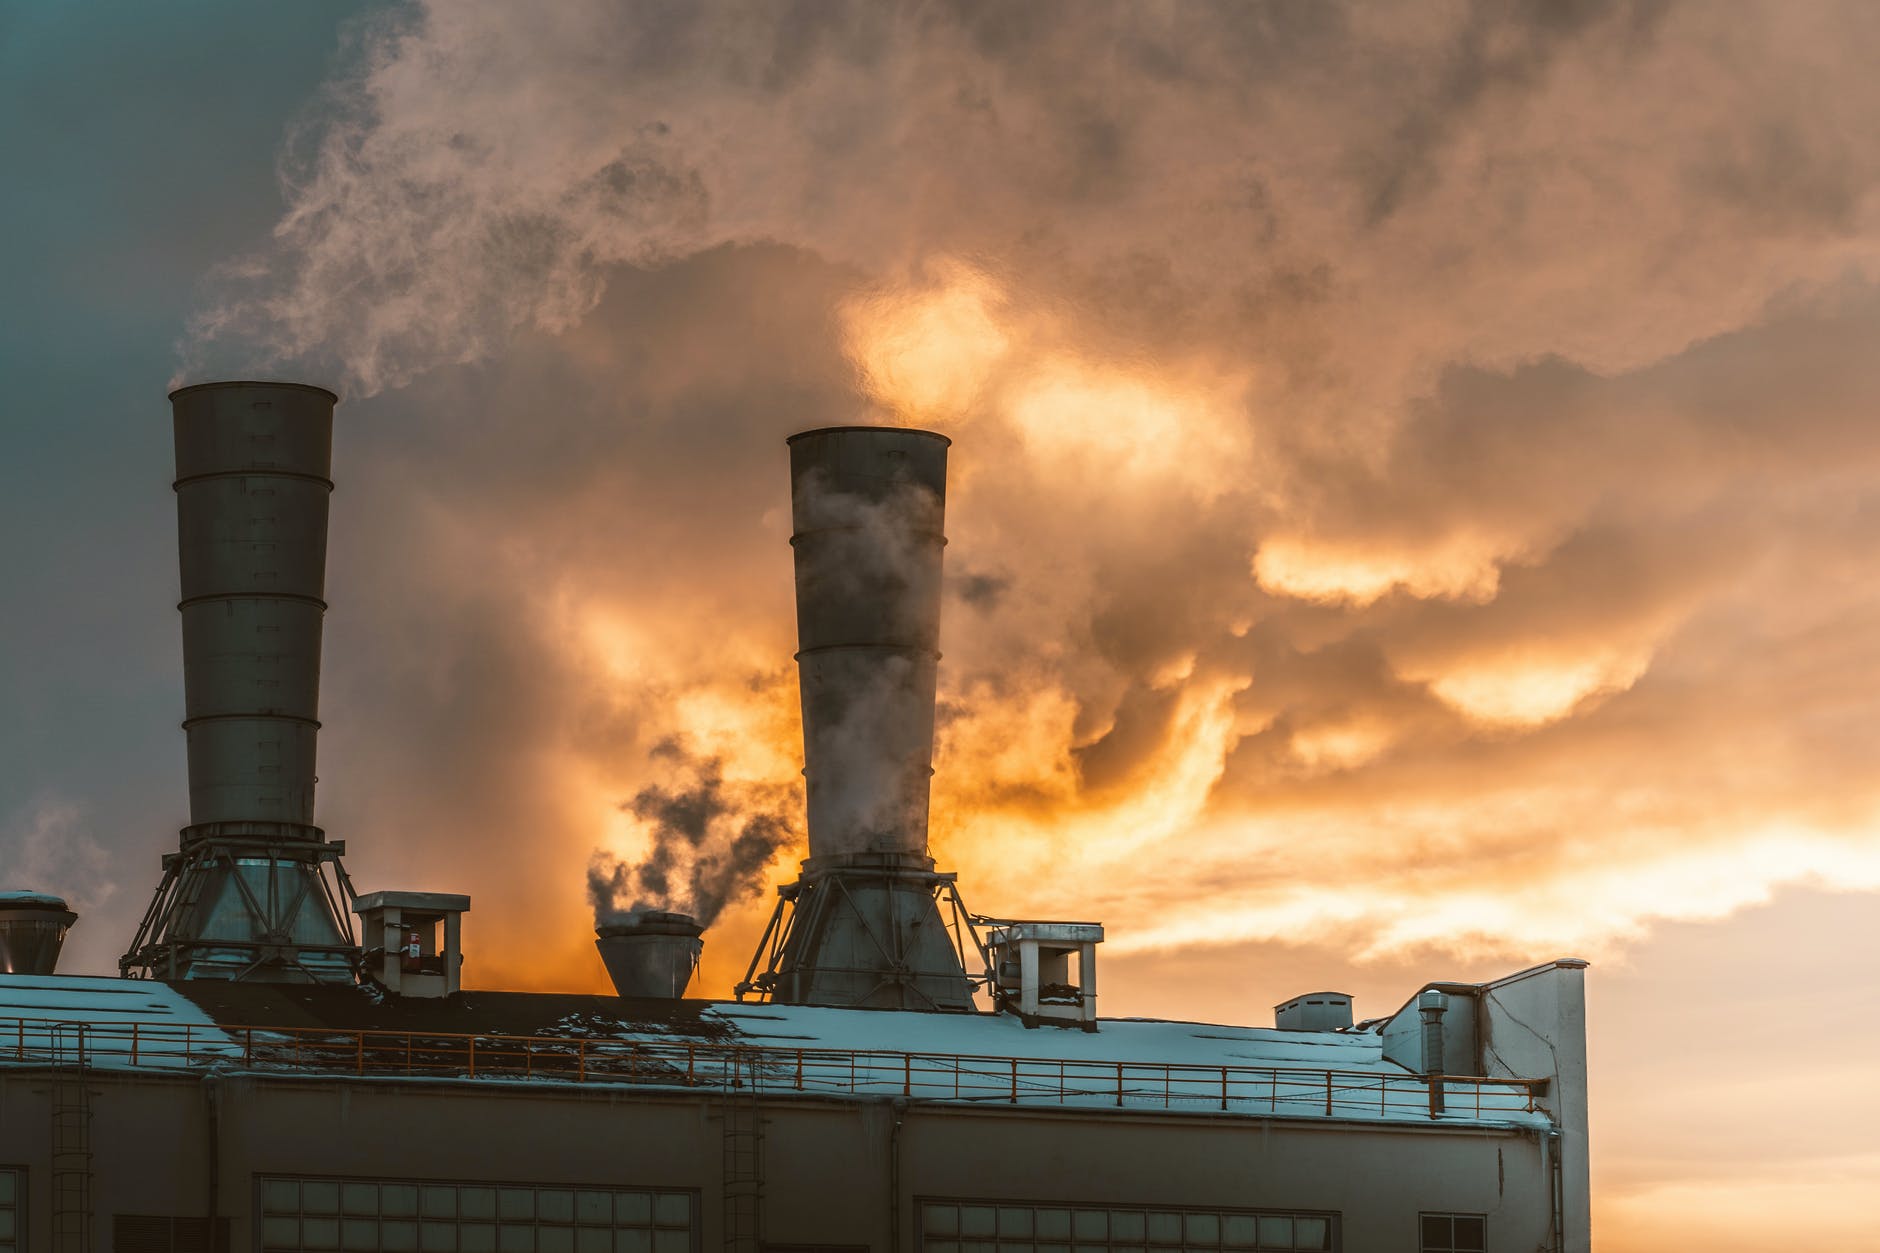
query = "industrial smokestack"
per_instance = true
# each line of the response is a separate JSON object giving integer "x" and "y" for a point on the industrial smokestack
{"x": 651, "y": 954}
{"x": 249, "y": 898}
{"x": 32, "y": 931}
{"x": 869, "y": 505}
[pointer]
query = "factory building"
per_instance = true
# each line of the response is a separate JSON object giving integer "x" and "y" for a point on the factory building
{"x": 896, "y": 1074}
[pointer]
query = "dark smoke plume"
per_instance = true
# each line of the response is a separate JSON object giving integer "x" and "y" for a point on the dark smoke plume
{"x": 711, "y": 842}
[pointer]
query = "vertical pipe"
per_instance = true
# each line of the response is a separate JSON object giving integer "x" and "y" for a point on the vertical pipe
{"x": 252, "y": 488}
{"x": 868, "y": 506}
{"x": 1432, "y": 1005}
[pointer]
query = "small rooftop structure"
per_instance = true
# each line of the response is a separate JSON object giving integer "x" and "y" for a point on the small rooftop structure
{"x": 32, "y": 931}
{"x": 1314, "y": 1011}
{"x": 404, "y": 950}
{"x": 1046, "y": 972}
{"x": 651, "y": 953}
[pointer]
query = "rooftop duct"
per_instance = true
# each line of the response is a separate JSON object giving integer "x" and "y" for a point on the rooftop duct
{"x": 32, "y": 931}
{"x": 863, "y": 925}
{"x": 257, "y": 891}
{"x": 651, "y": 954}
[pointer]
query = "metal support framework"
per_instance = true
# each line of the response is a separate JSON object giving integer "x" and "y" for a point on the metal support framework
{"x": 796, "y": 967}
{"x": 282, "y": 913}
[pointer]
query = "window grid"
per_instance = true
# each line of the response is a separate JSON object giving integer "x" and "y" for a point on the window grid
{"x": 12, "y": 1201}
{"x": 308, "y": 1215}
{"x": 1453, "y": 1233}
{"x": 985, "y": 1227}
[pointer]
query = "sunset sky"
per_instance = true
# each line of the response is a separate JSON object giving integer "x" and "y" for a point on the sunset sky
{"x": 1415, "y": 486}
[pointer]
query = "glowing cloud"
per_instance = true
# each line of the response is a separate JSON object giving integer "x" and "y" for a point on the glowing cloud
{"x": 1360, "y": 574}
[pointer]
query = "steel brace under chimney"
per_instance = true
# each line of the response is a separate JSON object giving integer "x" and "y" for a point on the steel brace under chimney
{"x": 257, "y": 891}
{"x": 869, "y": 922}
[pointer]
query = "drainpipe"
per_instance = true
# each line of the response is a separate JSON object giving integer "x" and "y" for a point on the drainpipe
{"x": 898, "y": 1106}
{"x": 1432, "y": 1005}
{"x": 212, "y": 1097}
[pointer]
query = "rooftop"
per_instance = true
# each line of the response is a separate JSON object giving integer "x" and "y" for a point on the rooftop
{"x": 1131, "y": 1064}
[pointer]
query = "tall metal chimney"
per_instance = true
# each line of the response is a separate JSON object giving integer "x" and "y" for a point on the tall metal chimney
{"x": 32, "y": 931}
{"x": 865, "y": 927}
{"x": 249, "y": 895}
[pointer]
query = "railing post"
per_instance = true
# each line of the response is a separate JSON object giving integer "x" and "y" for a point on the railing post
{"x": 134, "y": 1027}
{"x": 473, "y": 1056}
{"x": 799, "y": 1070}
{"x": 1119, "y": 1085}
{"x": 1223, "y": 1088}
{"x": 407, "y": 1053}
{"x": 907, "y": 1074}
{"x": 1014, "y": 1081}
{"x": 580, "y": 1056}
{"x": 1328, "y": 1094}
{"x": 360, "y": 1055}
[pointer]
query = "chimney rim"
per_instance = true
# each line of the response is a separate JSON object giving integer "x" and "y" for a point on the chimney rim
{"x": 214, "y": 383}
{"x": 945, "y": 441}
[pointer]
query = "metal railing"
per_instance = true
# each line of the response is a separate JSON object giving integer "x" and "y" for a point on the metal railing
{"x": 1246, "y": 1090}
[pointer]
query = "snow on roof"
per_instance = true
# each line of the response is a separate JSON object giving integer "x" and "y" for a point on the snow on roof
{"x": 31, "y": 900}
{"x": 988, "y": 1059}
{"x": 115, "y": 1012}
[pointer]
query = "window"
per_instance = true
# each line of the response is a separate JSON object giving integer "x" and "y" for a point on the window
{"x": 414, "y": 1216}
{"x": 1454, "y": 1233}
{"x": 1003, "y": 1227}
{"x": 161, "y": 1233}
{"x": 12, "y": 1201}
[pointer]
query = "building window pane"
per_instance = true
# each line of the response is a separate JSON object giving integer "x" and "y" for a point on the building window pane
{"x": 1053, "y": 1229}
{"x": 319, "y": 1233}
{"x": 1453, "y": 1233}
{"x": 633, "y": 1240}
{"x": 399, "y": 1200}
{"x": 634, "y": 1208}
{"x": 398, "y": 1237}
{"x": 440, "y": 1202}
{"x": 512, "y": 1203}
{"x": 672, "y": 1242}
{"x": 515, "y": 1238}
{"x": 281, "y": 1233}
{"x": 476, "y": 1202}
{"x": 359, "y": 1235}
{"x": 319, "y": 1197}
{"x": 438, "y": 1237}
{"x": 477, "y": 1237}
{"x": 673, "y": 1210}
{"x": 554, "y": 1240}
{"x": 555, "y": 1205}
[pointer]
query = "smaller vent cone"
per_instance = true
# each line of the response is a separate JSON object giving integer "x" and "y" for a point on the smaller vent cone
{"x": 651, "y": 954}
{"x": 32, "y": 931}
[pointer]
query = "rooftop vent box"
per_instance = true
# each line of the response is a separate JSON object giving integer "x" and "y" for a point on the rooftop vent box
{"x": 1315, "y": 1011}
{"x": 413, "y": 941}
{"x": 1046, "y": 972}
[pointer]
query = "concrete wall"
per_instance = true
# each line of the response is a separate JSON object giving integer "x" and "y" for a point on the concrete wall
{"x": 1533, "y": 1024}
{"x": 836, "y": 1172}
